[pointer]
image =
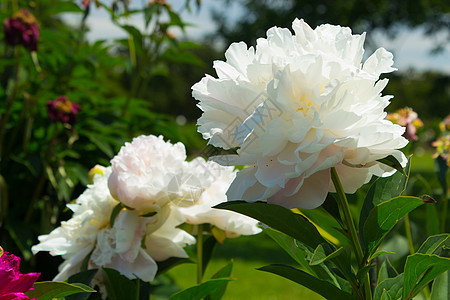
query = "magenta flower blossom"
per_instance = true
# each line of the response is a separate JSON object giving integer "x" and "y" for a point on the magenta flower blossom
{"x": 14, "y": 284}
{"x": 22, "y": 28}
{"x": 63, "y": 110}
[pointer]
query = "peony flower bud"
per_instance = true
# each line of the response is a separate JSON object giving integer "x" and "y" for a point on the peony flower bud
{"x": 63, "y": 110}
{"x": 22, "y": 28}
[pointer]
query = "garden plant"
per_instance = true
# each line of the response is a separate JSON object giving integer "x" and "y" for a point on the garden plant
{"x": 106, "y": 189}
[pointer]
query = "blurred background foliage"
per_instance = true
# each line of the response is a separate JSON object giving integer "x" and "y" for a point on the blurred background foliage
{"x": 141, "y": 84}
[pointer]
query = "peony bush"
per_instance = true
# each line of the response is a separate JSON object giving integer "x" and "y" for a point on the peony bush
{"x": 299, "y": 123}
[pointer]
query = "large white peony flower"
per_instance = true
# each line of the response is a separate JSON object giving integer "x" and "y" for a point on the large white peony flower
{"x": 147, "y": 174}
{"x": 89, "y": 232}
{"x": 215, "y": 180}
{"x": 295, "y": 106}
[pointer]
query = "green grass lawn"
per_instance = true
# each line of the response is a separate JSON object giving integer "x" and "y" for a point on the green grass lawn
{"x": 248, "y": 254}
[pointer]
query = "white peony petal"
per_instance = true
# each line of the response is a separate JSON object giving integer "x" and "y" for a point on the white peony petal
{"x": 323, "y": 108}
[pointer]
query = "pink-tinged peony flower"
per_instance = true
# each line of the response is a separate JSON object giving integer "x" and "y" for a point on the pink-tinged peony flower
{"x": 408, "y": 118}
{"x": 148, "y": 174}
{"x": 442, "y": 146}
{"x": 14, "y": 284}
{"x": 63, "y": 110}
{"x": 22, "y": 28}
{"x": 118, "y": 245}
{"x": 295, "y": 106}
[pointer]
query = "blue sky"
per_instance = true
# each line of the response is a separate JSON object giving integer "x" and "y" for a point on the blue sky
{"x": 411, "y": 48}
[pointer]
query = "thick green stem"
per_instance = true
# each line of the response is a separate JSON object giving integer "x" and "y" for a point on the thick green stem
{"x": 199, "y": 253}
{"x": 345, "y": 208}
{"x": 408, "y": 234}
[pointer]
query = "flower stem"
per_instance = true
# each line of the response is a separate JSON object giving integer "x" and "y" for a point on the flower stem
{"x": 138, "y": 288}
{"x": 344, "y": 207}
{"x": 408, "y": 234}
{"x": 199, "y": 253}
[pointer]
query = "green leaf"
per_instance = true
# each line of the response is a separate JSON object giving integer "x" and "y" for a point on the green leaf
{"x": 420, "y": 269}
{"x": 386, "y": 271}
{"x": 199, "y": 291}
{"x": 382, "y": 219}
{"x": 324, "y": 252}
{"x": 58, "y": 7}
{"x": 222, "y": 273}
{"x": 171, "y": 262}
{"x": 434, "y": 243}
{"x": 209, "y": 244}
{"x": 378, "y": 253}
{"x": 390, "y": 288}
{"x": 84, "y": 278}
{"x": 150, "y": 214}
{"x": 322, "y": 287}
{"x": 48, "y": 290}
{"x": 362, "y": 272}
{"x": 290, "y": 246}
{"x": 328, "y": 226}
{"x": 392, "y": 162}
{"x": 382, "y": 190}
{"x": 441, "y": 168}
{"x": 118, "y": 286}
{"x": 441, "y": 287}
{"x": 115, "y": 212}
{"x": 330, "y": 205}
{"x": 279, "y": 218}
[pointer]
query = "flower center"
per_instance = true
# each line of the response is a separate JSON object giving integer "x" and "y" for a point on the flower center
{"x": 64, "y": 106}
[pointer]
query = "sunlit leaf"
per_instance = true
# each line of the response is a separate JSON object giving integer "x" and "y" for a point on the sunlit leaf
{"x": 48, "y": 290}
{"x": 322, "y": 287}
{"x": 383, "y": 217}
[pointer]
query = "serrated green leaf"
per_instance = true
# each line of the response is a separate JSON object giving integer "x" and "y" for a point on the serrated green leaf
{"x": 391, "y": 287}
{"x": 441, "y": 287}
{"x": 324, "y": 252}
{"x": 48, "y": 290}
{"x": 382, "y": 219}
{"x": 420, "y": 269}
{"x": 200, "y": 291}
{"x": 279, "y": 218}
{"x": 322, "y": 287}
